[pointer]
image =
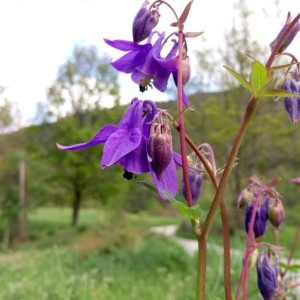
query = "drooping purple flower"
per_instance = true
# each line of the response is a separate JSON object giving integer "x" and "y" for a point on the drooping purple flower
{"x": 261, "y": 217}
{"x": 144, "y": 62}
{"x": 144, "y": 22}
{"x": 267, "y": 276}
{"x": 196, "y": 181}
{"x": 292, "y": 104}
{"x": 127, "y": 143}
{"x": 289, "y": 38}
{"x": 123, "y": 143}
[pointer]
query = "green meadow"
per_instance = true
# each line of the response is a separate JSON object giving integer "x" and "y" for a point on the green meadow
{"x": 109, "y": 257}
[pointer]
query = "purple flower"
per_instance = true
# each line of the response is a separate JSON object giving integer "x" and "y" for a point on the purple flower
{"x": 196, "y": 180}
{"x": 289, "y": 38}
{"x": 144, "y": 62}
{"x": 267, "y": 276}
{"x": 144, "y": 22}
{"x": 123, "y": 143}
{"x": 261, "y": 217}
{"x": 126, "y": 144}
{"x": 292, "y": 104}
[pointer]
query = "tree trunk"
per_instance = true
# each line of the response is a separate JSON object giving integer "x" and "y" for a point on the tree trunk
{"x": 20, "y": 223}
{"x": 76, "y": 207}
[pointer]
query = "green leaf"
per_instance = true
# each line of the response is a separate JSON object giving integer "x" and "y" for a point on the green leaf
{"x": 291, "y": 268}
{"x": 148, "y": 186}
{"x": 259, "y": 77}
{"x": 193, "y": 212}
{"x": 277, "y": 93}
{"x": 240, "y": 79}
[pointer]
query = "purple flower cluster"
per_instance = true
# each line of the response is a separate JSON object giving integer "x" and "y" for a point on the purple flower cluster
{"x": 142, "y": 141}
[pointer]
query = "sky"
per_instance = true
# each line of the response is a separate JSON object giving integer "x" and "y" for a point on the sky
{"x": 37, "y": 37}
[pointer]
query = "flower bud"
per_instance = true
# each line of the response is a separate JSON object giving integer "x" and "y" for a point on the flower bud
{"x": 186, "y": 71}
{"x": 261, "y": 217}
{"x": 292, "y": 104}
{"x": 267, "y": 276}
{"x": 196, "y": 180}
{"x": 160, "y": 147}
{"x": 276, "y": 214}
{"x": 289, "y": 38}
{"x": 246, "y": 196}
{"x": 144, "y": 22}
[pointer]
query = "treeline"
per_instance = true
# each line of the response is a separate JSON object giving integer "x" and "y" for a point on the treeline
{"x": 54, "y": 177}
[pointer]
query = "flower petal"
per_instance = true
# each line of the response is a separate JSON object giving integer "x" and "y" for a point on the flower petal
{"x": 136, "y": 161}
{"x": 100, "y": 138}
{"x": 167, "y": 182}
{"x": 119, "y": 144}
{"x": 124, "y": 45}
{"x": 129, "y": 61}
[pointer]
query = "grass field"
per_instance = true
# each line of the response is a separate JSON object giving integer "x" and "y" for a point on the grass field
{"x": 107, "y": 257}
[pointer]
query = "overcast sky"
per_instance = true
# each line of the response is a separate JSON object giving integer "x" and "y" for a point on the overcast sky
{"x": 37, "y": 36}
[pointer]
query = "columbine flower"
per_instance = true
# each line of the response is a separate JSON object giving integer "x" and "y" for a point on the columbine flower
{"x": 289, "y": 38}
{"x": 292, "y": 104}
{"x": 144, "y": 62}
{"x": 144, "y": 22}
{"x": 267, "y": 276}
{"x": 127, "y": 143}
{"x": 261, "y": 217}
{"x": 124, "y": 143}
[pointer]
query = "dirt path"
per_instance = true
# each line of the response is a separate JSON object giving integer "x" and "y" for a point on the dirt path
{"x": 191, "y": 247}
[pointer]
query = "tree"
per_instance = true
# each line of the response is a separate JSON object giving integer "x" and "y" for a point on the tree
{"x": 83, "y": 84}
{"x": 9, "y": 113}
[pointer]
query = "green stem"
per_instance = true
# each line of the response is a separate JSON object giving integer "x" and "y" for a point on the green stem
{"x": 225, "y": 228}
{"x": 230, "y": 163}
{"x": 202, "y": 239}
{"x": 202, "y": 259}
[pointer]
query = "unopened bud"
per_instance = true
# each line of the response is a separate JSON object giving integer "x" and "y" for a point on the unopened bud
{"x": 276, "y": 213}
{"x": 186, "y": 71}
{"x": 144, "y": 22}
{"x": 267, "y": 276}
{"x": 260, "y": 221}
{"x": 292, "y": 104}
{"x": 196, "y": 180}
{"x": 246, "y": 196}
{"x": 160, "y": 147}
{"x": 289, "y": 38}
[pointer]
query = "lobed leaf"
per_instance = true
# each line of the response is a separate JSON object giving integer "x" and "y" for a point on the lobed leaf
{"x": 259, "y": 77}
{"x": 240, "y": 79}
